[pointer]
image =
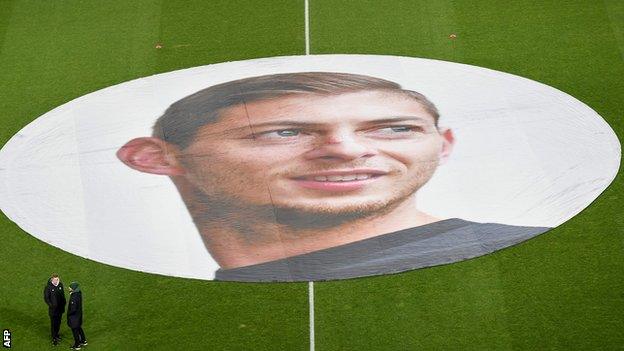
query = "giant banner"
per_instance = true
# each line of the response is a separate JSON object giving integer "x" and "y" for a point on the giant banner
{"x": 306, "y": 168}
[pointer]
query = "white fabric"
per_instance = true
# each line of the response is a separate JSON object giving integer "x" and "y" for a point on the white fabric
{"x": 527, "y": 154}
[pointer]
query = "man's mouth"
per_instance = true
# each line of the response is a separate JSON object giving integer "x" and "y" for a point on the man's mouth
{"x": 339, "y": 180}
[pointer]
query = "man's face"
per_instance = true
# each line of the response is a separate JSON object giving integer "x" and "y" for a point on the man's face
{"x": 55, "y": 281}
{"x": 354, "y": 153}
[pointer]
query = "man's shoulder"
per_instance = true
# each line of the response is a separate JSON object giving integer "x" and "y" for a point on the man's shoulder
{"x": 441, "y": 242}
{"x": 495, "y": 230}
{"x": 456, "y": 230}
{"x": 470, "y": 239}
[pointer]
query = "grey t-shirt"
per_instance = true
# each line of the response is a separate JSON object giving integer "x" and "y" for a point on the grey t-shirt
{"x": 433, "y": 244}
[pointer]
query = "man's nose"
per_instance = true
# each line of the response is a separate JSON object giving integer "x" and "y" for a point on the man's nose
{"x": 340, "y": 146}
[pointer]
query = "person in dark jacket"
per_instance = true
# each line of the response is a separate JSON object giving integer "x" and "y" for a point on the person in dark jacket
{"x": 74, "y": 315}
{"x": 54, "y": 296}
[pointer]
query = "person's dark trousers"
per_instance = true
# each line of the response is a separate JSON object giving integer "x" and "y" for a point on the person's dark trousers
{"x": 79, "y": 336}
{"x": 55, "y": 322}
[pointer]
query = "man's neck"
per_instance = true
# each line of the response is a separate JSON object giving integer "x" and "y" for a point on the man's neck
{"x": 251, "y": 243}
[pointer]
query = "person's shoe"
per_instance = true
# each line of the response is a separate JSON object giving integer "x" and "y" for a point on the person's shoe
{"x": 74, "y": 347}
{"x": 54, "y": 342}
{"x": 84, "y": 343}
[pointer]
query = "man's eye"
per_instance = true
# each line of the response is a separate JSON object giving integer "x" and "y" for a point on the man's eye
{"x": 279, "y": 134}
{"x": 397, "y": 129}
{"x": 287, "y": 132}
{"x": 401, "y": 129}
{"x": 391, "y": 132}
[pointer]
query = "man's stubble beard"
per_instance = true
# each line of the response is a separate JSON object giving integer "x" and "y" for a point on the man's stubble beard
{"x": 318, "y": 217}
{"x": 227, "y": 210}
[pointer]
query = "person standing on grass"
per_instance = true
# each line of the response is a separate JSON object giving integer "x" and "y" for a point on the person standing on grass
{"x": 54, "y": 296}
{"x": 74, "y": 315}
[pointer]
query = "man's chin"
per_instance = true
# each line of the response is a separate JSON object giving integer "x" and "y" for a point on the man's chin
{"x": 325, "y": 216}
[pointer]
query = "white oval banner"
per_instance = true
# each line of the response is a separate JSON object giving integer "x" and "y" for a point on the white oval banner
{"x": 306, "y": 168}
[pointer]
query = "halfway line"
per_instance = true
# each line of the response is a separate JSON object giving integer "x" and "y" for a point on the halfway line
{"x": 307, "y": 26}
{"x": 310, "y": 284}
{"x": 311, "y": 303}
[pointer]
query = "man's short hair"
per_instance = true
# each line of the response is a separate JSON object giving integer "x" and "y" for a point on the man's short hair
{"x": 180, "y": 122}
{"x": 54, "y": 275}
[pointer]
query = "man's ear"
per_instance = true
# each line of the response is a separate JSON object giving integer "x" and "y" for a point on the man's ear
{"x": 448, "y": 141}
{"x": 151, "y": 155}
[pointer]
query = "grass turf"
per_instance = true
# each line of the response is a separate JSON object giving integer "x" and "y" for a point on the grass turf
{"x": 563, "y": 290}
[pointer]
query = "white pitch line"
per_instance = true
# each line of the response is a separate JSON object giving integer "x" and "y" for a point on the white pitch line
{"x": 307, "y": 26}
{"x": 311, "y": 303}
{"x": 310, "y": 284}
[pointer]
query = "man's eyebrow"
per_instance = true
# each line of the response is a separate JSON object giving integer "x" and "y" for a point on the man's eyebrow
{"x": 291, "y": 123}
{"x": 399, "y": 119}
{"x": 286, "y": 123}
{"x": 253, "y": 127}
{"x": 299, "y": 124}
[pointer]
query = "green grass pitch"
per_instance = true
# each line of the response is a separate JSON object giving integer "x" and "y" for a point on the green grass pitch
{"x": 563, "y": 290}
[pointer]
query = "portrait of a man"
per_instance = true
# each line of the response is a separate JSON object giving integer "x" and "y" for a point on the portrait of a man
{"x": 312, "y": 176}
